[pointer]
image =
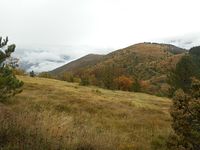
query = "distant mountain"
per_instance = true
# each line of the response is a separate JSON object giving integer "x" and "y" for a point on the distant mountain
{"x": 81, "y": 63}
{"x": 148, "y": 62}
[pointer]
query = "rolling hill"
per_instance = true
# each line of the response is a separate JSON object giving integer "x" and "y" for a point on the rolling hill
{"x": 153, "y": 50}
{"x": 148, "y": 62}
{"x": 83, "y": 62}
{"x": 52, "y": 114}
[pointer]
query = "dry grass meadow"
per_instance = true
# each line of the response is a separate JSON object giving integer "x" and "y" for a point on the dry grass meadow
{"x": 55, "y": 115}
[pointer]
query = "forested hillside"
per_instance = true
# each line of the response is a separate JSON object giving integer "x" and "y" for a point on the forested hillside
{"x": 145, "y": 64}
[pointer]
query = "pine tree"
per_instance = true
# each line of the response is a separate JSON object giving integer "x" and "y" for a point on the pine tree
{"x": 9, "y": 84}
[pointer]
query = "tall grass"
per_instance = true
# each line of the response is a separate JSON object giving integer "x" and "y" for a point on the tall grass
{"x": 52, "y": 115}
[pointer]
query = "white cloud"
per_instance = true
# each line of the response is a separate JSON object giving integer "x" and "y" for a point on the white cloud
{"x": 48, "y": 58}
{"x": 95, "y": 23}
{"x": 110, "y": 23}
{"x": 185, "y": 41}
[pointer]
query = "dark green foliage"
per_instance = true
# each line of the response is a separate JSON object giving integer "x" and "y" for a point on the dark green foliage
{"x": 185, "y": 112}
{"x": 186, "y": 68}
{"x": 195, "y": 54}
{"x": 195, "y": 51}
{"x": 108, "y": 76}
{"x": 32, "y": 74}
{"x": 136, "y": 86}
{"x": 186, "y": 118}
{"x": 158, "y": 143}
{"x": 180, "y": 77}
{"x": 9, "y": 84}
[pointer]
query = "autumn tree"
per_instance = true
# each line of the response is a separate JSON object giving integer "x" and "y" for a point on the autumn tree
{"x": 9, "y": 84}
{"x": 123, "y": 83}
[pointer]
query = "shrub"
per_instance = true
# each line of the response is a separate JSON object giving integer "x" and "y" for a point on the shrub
{"x": 45, "y": 75}
{"x": 32, "y": 74}
{"x": 84, "y": 81}
{"x": 136, "y": 87}
{"x": 66, "y": 76}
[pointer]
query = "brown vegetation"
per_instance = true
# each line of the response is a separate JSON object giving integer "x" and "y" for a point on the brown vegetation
{"x": 51, "y": 114}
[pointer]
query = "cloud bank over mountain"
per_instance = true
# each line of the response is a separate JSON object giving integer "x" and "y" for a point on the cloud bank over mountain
{"x": 100, "y": 24}
{"x": 186, "y": 41}
{"x": 48, "y": 58}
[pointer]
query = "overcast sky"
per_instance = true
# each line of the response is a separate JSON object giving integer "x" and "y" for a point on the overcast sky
{"x": 68, "y": 29}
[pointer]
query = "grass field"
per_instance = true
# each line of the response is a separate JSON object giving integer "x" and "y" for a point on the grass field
{"x": 51, "y": 114}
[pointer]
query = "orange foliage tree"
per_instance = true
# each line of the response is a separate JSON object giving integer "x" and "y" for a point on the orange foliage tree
{"x": 123, "y": 83}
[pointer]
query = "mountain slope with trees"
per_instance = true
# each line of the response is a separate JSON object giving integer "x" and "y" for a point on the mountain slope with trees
{"x": 143, "y": 63}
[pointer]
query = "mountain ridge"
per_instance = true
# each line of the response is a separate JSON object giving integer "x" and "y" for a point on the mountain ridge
{"x": 172, "y": 48}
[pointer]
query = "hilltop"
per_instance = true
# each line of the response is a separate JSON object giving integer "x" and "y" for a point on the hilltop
{"x": 52, "y": 114}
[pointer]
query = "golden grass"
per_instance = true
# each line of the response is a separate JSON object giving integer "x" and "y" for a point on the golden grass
{"x": 52, "y": 114}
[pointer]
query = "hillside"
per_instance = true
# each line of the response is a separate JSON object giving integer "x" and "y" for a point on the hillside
{"x": 83, "y": 62}
{"x": 52, "y": 114}
{"x": 145, "y": 60}
{"x": 153, "y": 50}
{"x": 148, "y": 62}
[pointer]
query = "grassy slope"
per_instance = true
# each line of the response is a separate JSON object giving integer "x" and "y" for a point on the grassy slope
{"x": 51, "y": 114}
